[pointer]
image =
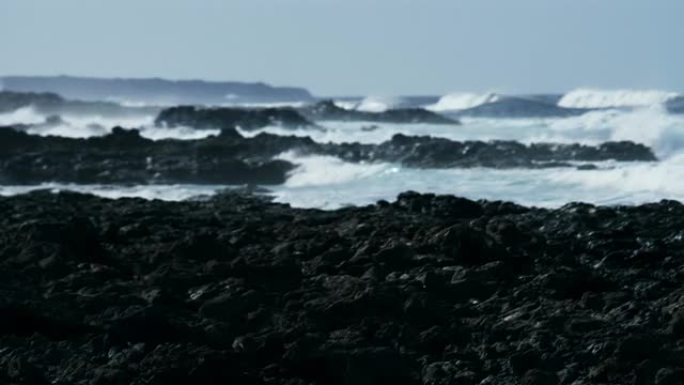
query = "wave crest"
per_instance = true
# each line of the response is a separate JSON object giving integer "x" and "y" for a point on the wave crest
{"x": 594, "y": 98}
{"x": 319, "y": 170}
{"x": 377, "y": 104}
{"x": 462, "y": 101}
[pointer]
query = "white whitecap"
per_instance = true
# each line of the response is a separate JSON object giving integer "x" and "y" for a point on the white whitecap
{"x": 24, "y": 115}
{"x": 377, "y": 103}
{"x": 461, "y": 101}
{"x": 317, "y": 170}
{"x": 596, "y": 98}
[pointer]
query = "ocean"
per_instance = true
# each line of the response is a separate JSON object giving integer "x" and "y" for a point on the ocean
{"x": 585, "y": 116}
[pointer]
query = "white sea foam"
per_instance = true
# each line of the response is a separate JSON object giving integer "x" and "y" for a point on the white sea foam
{"x": 615, "y": 183}
{"x": 149, "y": 192}
{"x": 594, "y": 98}
{"x": 461, "y": 101}
{"x": 377, "y": 103}
{"x": 68, "y": 131}
{"x": 633, "y": 183}
{"x": 328, "y": 182}
{"x": 346, "y": 104}
{"x": 651, "y": 126}
{"x": 87, "y": 126}
{"x": 374, "y": 133}
{"x": 318, "y": 170}
{"x": 180, "y": 132}
{"x": 265, "y": 104}
{"x": 25, "y": 115}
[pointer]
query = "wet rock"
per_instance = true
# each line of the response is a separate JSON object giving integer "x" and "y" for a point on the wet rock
{"x": 677, "y": 324}
{"x": 539, "y": 377}
{"x": 667, "y": 376}
{"x": 637, "y": 348}
{"x": 227, "y": 118}
{"x": 124, "y": 156}
{"x": 427, "y": 289}
{"x": 521, "y": 362}
{"x": 466, "y": 245}
{"x": 328, "y": 111}
{"x": 447, "y": 373}
{"x": 150, "y": 324}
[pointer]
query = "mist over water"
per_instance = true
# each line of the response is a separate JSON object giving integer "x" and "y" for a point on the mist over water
{"x": 328, "y": 182}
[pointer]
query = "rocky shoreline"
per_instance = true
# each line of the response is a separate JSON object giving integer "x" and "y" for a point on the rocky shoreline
{"x": 424, "y": 290}
{"x": 327, "y": 110}
{"x": 289, "y": 117}
{"x": 126, "y": 157}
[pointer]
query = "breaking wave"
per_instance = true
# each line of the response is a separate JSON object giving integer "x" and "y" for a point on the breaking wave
{"x": 377, "y": 104}
{"x": 462, "y": 101}
{"x": 329, "y": 182}
{"x": 316, "y": 170}
{"x": 87, "y": 126}
{"x": 149, "y": 192}
{"x": 24, "y": 115}
{"x": 594, "y": 98}
{"x": 651, "y": 126}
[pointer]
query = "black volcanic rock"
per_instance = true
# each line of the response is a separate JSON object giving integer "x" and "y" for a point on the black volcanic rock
{"x": 327, "y": 111}
{"x": 228, "y": 118}
{"x": 425, "y": 290}
{"x": 429, "y": 152}
{"x": 125, "y": 157}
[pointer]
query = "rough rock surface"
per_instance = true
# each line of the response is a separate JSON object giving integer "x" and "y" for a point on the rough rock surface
{"x": 228, "y": 118}
{"x": 426, "y": 290}
{"x": 426, "y": 151}
{"x": 327, "y": 111}
{"x": 126, "y": 157}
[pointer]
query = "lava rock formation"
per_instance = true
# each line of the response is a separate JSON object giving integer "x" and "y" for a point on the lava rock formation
{"x": 229, "y": 158}
{"x": 426, "y": 290}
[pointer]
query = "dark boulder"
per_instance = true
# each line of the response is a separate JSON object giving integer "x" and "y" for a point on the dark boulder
{"x": 327, "y": 111}
{"x": 226, "y": 118}
{"x": 240, "y": 289}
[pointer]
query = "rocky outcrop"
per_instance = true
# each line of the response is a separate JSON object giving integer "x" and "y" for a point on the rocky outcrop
{"x": 328, "y": 111}
{"x": 425, "y": 290}
{"x": 126, "y": 157}
{"x": 229, "y": 118}
{"x": 429, "y": 152}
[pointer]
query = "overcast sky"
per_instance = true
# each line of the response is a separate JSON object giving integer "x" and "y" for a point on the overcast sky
{"x": 357, "y": 47}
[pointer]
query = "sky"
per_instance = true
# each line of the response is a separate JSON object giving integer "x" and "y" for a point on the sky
{"x": 355, "y": 47}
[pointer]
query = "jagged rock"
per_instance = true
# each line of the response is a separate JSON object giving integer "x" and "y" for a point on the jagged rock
{"x": 327, "y": 111}
{"x": 227, "y": 118}
{"x": 124, "y": 156}
{"x": 240, "y": 289}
